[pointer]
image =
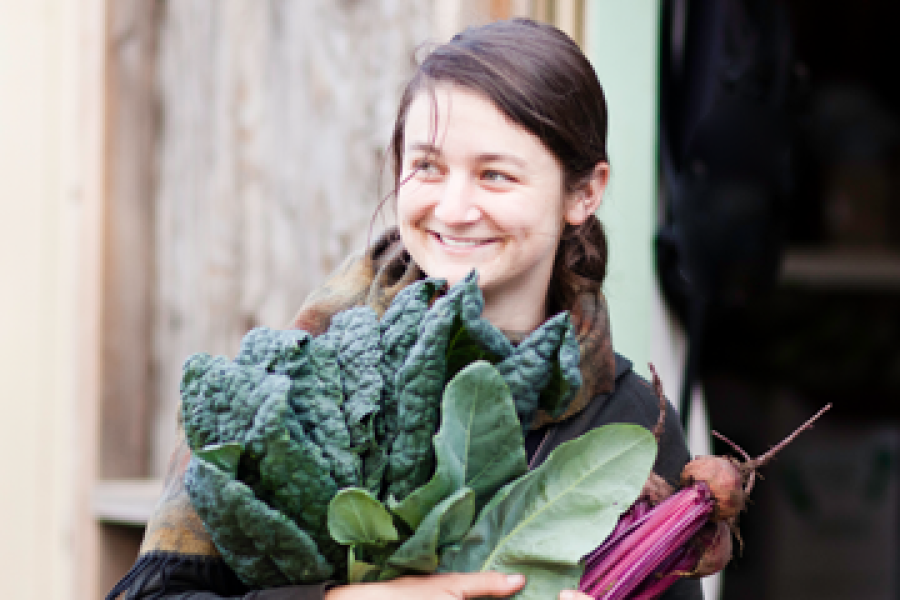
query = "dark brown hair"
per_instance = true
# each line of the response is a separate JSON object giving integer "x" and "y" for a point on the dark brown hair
{"x": 539, "y": 78}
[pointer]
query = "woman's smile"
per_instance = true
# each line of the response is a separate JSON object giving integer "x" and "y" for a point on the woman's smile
{"x": 463, "y": 243}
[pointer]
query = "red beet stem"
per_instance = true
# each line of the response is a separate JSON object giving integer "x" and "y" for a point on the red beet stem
{"x": 761, "y": 460}
{"x": 658, "y": 388}
{"x": 750, "y": 465}
{"x": 635, "y": 555}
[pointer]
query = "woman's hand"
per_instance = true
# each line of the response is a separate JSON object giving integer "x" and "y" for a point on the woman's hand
{"x": 445, "y": 586}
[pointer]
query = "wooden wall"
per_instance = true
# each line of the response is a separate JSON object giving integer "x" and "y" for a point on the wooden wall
{"x": 274, "y": 117}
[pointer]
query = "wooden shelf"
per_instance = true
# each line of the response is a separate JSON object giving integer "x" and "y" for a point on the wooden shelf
{"x": 125, "y": 501}
{"x": 842, "y": 269}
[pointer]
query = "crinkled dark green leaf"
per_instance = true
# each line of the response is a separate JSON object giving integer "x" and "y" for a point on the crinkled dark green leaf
{"x": 220, "y": 400}
{"x": 543, "y": 523}
{"x": 533, "y": 363}
{"x": 419, "y": 384}
{"x": 295, "y": 480}
{"x": 359, "y": 358}
{"x": 263, "y": 546}
{"x": 399, "y": 328}
{"x": 565, "y": 377}
{"x": 316, "y": 399}
{"x": 278, "y": 351}
{"x": 286, "y": 470}
{"x": 482, "y": 331}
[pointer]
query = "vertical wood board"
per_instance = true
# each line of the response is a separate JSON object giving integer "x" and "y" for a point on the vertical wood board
{"x": 275, "y": 116}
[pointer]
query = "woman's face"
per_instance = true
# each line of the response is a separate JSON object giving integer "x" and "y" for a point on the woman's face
{"x": 482, "y": 193}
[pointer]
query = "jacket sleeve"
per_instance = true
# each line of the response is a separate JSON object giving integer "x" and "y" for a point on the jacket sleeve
{"x": 203, "y": 579}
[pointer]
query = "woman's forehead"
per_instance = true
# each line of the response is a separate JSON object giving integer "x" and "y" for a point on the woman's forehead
{"x": 450, "y": 117}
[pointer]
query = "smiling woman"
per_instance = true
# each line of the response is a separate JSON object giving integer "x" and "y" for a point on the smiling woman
{"x": 490, "y": 197}
{"x": 499, "y": 162}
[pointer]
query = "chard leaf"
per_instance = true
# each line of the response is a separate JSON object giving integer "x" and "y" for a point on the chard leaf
{"x": 358, "y": 570}
{"x": 356, "y": 517}
{"x": 543, "y": 523}
{"x": 447, "y": 523}
{"x": 479, "y": 444}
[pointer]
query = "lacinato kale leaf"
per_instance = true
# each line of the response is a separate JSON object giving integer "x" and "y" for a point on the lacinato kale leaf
{"x": 549, "y": 354}
{"x": 419, "y": 384}
{"x": 264, "y": 546}
{"x": 359, "y": 359}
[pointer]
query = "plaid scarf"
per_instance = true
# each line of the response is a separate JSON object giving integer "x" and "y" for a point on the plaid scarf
{"x": 373, "y": 279}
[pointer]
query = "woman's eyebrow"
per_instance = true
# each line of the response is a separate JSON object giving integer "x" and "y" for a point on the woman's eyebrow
{"x": 424, "y": 147}
{"x": 485, "y": 157}
{"x": 500, "y": 157}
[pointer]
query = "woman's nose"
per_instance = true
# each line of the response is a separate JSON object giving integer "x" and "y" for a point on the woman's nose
{"x": 455, "y": 204}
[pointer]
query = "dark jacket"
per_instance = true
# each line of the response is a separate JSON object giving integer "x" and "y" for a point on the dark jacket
{"x": 632, "y": 401}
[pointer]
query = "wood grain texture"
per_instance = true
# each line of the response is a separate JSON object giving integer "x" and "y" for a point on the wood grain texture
{"x": 128, "y": 259}
{"x": 275, "y": 117}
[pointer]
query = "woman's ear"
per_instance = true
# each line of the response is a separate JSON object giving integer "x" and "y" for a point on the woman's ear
{"x": 585, "y": 201}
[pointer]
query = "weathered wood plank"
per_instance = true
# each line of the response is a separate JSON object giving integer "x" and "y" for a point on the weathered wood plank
{"x": 128, "y": 260}
{"x": 274, "y": 119}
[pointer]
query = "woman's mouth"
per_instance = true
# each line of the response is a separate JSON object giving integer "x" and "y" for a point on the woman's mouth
{"x": 461, "y": 242}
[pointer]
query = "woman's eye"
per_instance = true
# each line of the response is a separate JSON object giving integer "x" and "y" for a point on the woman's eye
{"x": 496, "y": 177}
{"x": 425, "y": 168}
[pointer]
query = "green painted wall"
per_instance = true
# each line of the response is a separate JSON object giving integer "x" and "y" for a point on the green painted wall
{"x": 622, "y": 41}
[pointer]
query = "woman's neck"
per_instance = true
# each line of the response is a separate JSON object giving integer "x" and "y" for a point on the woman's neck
{"x": 519, "y": 316}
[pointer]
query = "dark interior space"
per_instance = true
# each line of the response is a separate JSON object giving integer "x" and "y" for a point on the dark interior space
{"x": 823, "y": 522}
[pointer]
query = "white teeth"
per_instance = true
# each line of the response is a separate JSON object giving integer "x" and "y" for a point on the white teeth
{"x": 460, "y": 243}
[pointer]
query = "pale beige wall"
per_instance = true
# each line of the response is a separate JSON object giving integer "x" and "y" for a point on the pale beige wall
{"x": 41, "y": 206}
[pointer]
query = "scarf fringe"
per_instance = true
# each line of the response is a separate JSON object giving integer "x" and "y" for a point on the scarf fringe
{"x": 211, "y": 569}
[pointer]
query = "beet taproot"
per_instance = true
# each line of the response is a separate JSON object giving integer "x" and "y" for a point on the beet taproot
{"x": 715, "y": 539}
{"x": 722, "y": 474}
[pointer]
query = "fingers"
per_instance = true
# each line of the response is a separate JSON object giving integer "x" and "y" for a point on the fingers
{"x": 492, "y": 583}
{"x": 574, "y": 595}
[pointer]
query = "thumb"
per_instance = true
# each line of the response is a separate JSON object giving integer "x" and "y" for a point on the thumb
{"x": 492, "y": 583}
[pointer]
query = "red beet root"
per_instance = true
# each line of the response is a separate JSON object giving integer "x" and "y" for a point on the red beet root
{"x": 731, "y": 480}
{"x": 656, "y": 489}
{"x": 715, "y": 538}
{"x": 723, "y": 476}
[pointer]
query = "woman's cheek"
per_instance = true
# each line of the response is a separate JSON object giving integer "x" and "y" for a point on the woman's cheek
{"x": 412, "y": 204}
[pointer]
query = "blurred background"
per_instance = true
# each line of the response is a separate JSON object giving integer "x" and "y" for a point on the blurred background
{"x": 177, "y": 172}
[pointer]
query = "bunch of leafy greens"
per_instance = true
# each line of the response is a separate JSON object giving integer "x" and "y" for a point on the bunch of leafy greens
{"x": 395, "y": 446}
